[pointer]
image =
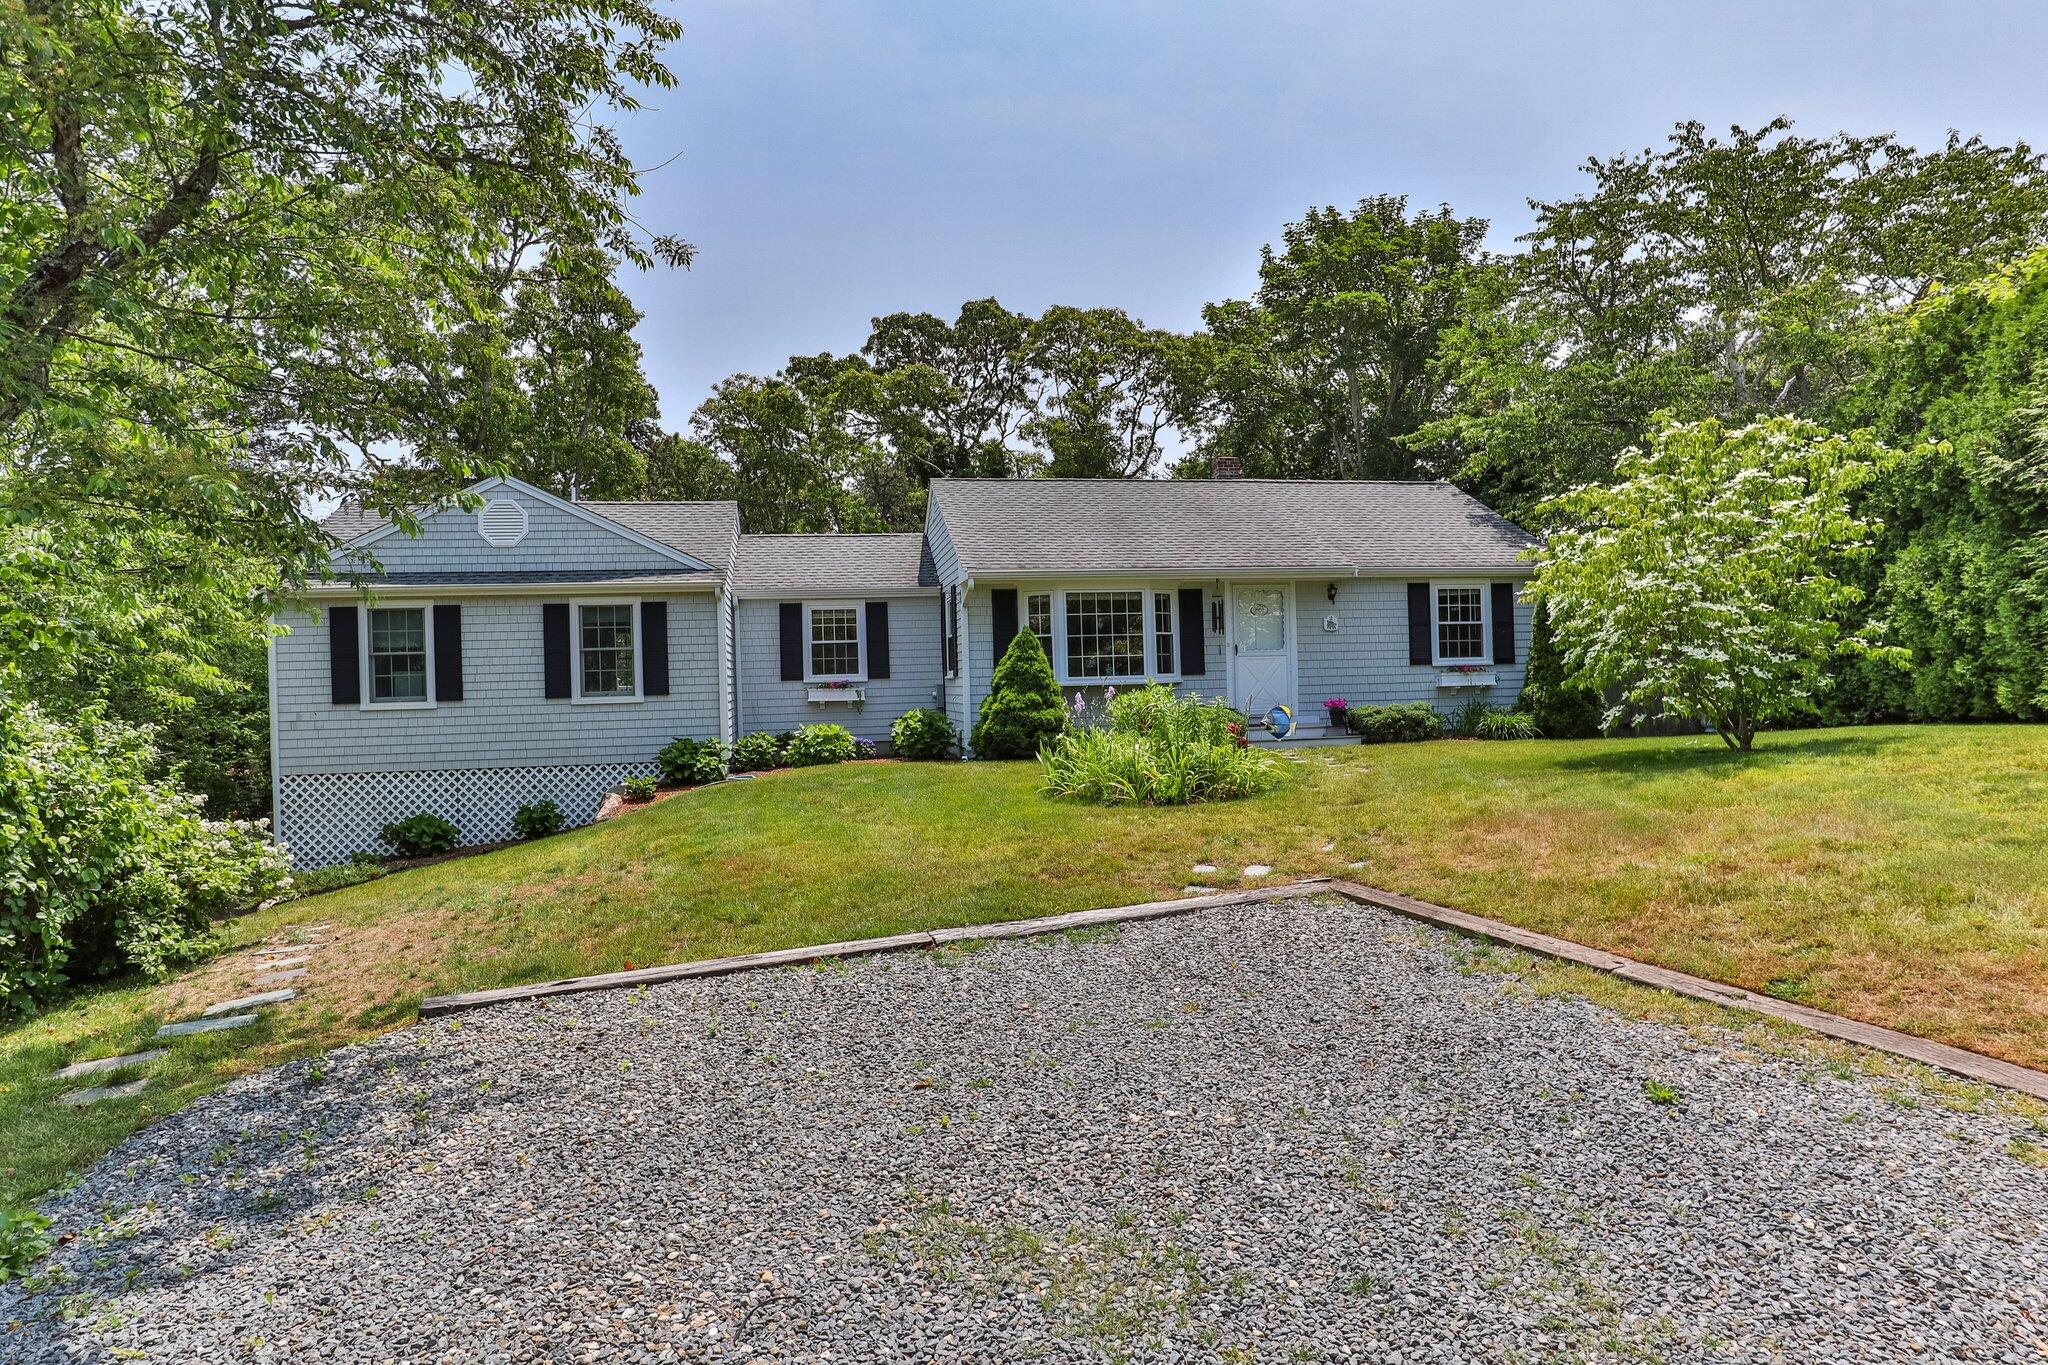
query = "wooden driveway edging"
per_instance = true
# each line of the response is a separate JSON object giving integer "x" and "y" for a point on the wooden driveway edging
{"x": 1957, "y": 1061}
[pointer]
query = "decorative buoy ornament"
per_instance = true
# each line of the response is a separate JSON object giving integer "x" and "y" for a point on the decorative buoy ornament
{"x": 1280, "y": 720}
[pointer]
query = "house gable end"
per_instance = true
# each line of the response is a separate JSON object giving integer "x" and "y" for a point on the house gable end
{"x": 546, "y": 533}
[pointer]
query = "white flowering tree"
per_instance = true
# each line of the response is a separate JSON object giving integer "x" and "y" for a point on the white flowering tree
{"x": 1704, "y": 581}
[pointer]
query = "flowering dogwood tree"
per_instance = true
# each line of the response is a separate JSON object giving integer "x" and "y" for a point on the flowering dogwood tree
{"x": 1703, "y": 580}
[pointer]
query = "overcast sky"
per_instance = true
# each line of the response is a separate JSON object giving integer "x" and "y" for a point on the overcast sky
{"x": 840, "y": 159}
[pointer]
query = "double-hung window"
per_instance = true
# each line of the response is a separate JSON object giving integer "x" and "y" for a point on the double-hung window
{"x": 1038, "y": 620}
{"x": 1460, "y": 624}
{"x": 604, "y": 650}
{"x": 834, "y": 650}
{"x": 1162, "y": 635}
{"x": 398, "y": 655}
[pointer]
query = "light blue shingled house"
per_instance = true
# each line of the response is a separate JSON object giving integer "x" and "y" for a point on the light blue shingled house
{"x": 535, "y": 648}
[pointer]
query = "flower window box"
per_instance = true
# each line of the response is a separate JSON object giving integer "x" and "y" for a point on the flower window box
{"x": 1465, "y": 677}
{"x": 827, "y": 693}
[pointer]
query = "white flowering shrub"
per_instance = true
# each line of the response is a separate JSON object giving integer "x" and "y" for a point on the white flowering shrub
{"x": 104, "y": 868}
{"x": 1704, "y": 580}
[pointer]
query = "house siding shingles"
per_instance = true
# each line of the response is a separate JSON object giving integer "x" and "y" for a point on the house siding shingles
{"x": 1365, "y": 660}
{"x": 768, "y": 703}
{"x": 554, "y": 540}
{"x": 346, "y": 770}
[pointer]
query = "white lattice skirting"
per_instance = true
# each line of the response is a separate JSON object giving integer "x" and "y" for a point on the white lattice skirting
{"x": 324, "y": 817}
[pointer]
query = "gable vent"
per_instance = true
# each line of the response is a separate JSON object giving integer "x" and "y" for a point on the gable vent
{"x": 501, "y": 522}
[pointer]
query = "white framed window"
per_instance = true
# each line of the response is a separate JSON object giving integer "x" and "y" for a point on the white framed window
{"x": 1038, "y": 620}
{"x": 1460, "y": 623}
{"x": 1106, "y": 632}
{"x": 398, "y": 656}
{"x": 835, "y": 647}
{"x": 1166, "y": 659}
{"x": 607, "y": 652}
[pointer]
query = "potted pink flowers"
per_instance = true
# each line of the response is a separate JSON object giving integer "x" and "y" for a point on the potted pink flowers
{"x": 1338, "y": 708}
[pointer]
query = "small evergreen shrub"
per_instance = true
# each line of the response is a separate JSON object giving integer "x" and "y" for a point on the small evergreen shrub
{"x": 1401, "y": 724}
{"x": 537, "y": 819}
{"x": 924, "y": 733}
{"x": 1558, "y": 706}
{"x": 756, "y": 752}
{"x": 419, "y": 836}
{"x": 691, "y": 762}
{"x": 1501, "y": 724}
{"x": 1022, "y": 712}
{"x": 639, "y": 788}
{"x": 813, "y": 745}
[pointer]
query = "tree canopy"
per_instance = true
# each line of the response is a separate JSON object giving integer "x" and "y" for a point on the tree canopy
{"x": 1708, "y": 580}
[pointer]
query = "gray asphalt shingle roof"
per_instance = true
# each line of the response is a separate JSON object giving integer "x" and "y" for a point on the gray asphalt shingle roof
{"x": 1222, "y": 525}
{"x": 834, "y": 564}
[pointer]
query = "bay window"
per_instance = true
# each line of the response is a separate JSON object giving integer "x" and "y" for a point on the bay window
{"x": 1109, "y": 633}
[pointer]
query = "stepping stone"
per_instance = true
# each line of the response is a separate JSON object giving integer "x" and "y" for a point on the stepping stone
{"x": 1257, "y": 870}
{"x": 247, "y": 1002}
{"x": 1359, "y": 863}
{"x": 1330, "y": 847}
{"x": 290, "y": 950}
{"x": 213, "y": 1025}
{"x": 277, "y": 978}
{"x": 1196, "y": 890}
{"x": 285, "y": 964}
{"x": 93, "y": 1068}
{"x": 1203, "y": 869}
{"x": 78, "y": 1099}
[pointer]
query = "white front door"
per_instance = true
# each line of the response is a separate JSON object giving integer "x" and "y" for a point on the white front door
{"x": 1261, "y": 647}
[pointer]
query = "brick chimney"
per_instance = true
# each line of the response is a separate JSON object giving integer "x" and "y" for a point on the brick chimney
{"x": 1225, "y": 467}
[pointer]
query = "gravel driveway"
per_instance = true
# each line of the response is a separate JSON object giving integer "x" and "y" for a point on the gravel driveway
{"x": 1305, "y": 1130}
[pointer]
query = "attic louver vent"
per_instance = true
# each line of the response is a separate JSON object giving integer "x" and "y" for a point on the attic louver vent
{"x": 501, "y": 522}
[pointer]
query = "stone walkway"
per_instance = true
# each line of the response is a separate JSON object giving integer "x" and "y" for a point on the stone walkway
{"x": 216, "y": 1018}
{"x": 1306, "y": 1130}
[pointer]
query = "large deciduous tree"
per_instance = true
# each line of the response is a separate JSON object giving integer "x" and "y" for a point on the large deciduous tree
{"x": 1732, "y": 276}
{"x": 1331, "y": 368}
{"x": 1709, "y": 579}
{"x": 243, "y": 245}
{"x": 1961, "y": 573}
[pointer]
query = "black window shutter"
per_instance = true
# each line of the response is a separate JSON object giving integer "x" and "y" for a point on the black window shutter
{"x": 1419, "y": 650}
{"x": 654, "y": 649}
{"x": 344, "y": 659}
{"x": 953, "y": 630}
{"x": 790, "y": 616}
{"x": 1002, "y": 603}
{"x": 554, "y": 650}
{"x": 1194, "y": 653}
{"x": 447, "y": 652}
{"x": 1503, "y": 623}
{"x": 878, "y": 639}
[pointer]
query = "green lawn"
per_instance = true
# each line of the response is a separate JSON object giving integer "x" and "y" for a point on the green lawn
{"x": 1898, "y": 875}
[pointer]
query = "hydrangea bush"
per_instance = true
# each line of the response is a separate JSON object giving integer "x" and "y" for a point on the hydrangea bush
{"x": 103, "y": 868}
